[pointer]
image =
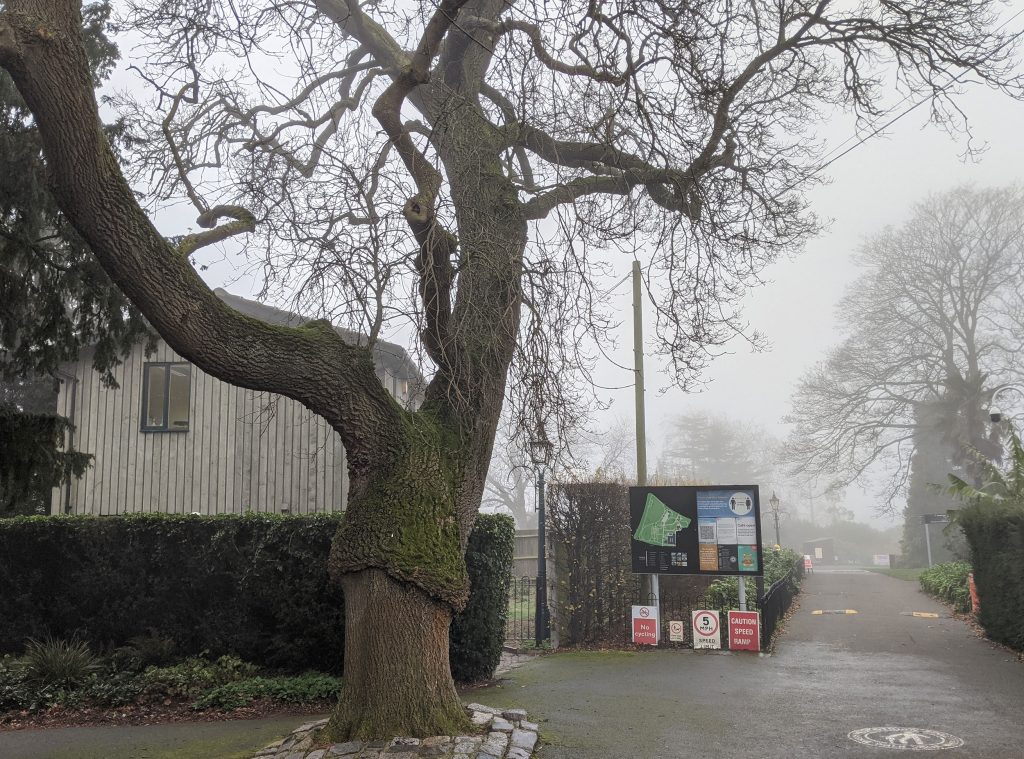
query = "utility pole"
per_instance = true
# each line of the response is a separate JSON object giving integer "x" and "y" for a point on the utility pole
{"x": 649, "y": 583}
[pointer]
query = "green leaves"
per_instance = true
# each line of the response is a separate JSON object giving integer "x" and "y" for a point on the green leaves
{"x": 31, "y": 463}
{"x": 1000, "y": 486}
{"x": 55, "y": 300}
{"x": 949, "y": 582}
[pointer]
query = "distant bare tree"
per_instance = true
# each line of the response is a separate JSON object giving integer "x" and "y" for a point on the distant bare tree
{"x": 934, "y": 326}
{"x": 469, "y": 165}
{"x": 581, "y": 455}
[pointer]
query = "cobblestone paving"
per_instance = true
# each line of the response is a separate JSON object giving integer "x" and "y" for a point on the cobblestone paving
{"x": 504, "y": 734}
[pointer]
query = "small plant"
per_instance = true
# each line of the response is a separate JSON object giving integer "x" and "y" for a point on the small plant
{"x": 195, "y": 675}
{"x": 58, "y": 663}
{"x": 949, "y": 582}
{"x": 304, "y": 689}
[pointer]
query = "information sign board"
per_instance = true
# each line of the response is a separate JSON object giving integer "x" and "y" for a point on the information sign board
{"x": 645, "y": 625}
{"x": 881, "y": 559}
{"x": 744, "y": 631}
{"x": 707, "y": 629}
{"x": 696, "y": 530}
{"x": 935, "y": 518}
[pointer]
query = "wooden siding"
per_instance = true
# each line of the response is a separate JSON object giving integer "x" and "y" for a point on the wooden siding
{"x": 244, "y": 450}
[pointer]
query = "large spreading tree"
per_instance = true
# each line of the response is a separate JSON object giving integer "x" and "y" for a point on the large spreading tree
{"x": 933, "y": 329}
{"x": 470, "y": 165}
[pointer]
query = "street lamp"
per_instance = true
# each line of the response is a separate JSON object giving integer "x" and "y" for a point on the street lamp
{"x": 540, "y": 454}
{"x": 774, "y": 503}
{"x": 994, "y": 413}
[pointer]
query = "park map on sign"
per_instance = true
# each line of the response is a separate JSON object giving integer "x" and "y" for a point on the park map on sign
{"x": 659, "y": 524}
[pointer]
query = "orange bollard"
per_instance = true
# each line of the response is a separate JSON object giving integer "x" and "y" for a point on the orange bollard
{"x": 975, "y": 603}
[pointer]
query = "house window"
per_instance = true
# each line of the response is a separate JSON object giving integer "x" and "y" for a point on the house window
{"x": 165, "y": 397}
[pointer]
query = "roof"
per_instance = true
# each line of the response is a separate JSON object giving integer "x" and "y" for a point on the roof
{"x": 386, "y": 355}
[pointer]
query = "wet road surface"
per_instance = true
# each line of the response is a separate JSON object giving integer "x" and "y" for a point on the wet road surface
{"x": 831, "y": 674}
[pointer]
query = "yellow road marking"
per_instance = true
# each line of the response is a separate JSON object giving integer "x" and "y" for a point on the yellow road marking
{"x": 928, "y": 614}
{"x": 819, "y": 612}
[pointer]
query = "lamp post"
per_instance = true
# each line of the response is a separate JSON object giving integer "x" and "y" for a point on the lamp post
{"x": 774, "y": 503}
{"x": 994, "y": 412}
{"x": 540, "y": 453}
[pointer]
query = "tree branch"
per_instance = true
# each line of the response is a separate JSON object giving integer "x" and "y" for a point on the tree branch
{"x": 348, "y": 16}
{"x": 244, "y": 222}
{"x": 311, "y": 363}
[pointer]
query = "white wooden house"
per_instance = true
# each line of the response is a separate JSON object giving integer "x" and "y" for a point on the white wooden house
{"x": 171, "y": 438}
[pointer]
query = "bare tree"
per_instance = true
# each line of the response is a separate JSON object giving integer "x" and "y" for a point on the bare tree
{"x": 934, "y": 327}
{"x": 581, "y": 455}
{"x": 471, "y": 166}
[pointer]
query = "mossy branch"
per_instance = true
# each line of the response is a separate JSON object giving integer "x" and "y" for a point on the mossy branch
{"x": 244, "y": 222}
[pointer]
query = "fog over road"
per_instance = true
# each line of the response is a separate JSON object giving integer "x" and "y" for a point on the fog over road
{"x": 831, "y": 674}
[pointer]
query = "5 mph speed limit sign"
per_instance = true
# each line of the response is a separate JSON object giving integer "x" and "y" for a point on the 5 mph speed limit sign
{"x": 707, "y": 629}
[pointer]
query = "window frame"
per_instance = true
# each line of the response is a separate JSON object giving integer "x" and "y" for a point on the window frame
{"x": 144, "y": 414}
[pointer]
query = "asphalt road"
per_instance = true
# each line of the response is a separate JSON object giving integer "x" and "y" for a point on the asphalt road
{"x": 831, "y": 674}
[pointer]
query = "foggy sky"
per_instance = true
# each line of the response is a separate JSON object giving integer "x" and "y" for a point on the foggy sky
{"x": 873, "y": 186}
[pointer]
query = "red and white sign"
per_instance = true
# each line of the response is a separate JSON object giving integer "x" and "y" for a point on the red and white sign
{"x": 645, "y": 625}
{"x": 807, "y": 562}
{"x": 744, "y": 631}
{"x": 707, "y": 629}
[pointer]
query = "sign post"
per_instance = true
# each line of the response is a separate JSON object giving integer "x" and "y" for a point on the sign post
{"x": 646, "y": 630}
{"x": 927, "y": 519}
{"x": 707, "y": 629}
{"x": 744, "y": 631}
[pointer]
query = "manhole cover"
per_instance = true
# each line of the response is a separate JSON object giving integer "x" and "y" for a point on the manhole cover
{"x": 905, "y": 738}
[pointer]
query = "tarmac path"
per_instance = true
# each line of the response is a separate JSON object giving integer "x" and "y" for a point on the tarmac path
{"x": 831, "y": 674}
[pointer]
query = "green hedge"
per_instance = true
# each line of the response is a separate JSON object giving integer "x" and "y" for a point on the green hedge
{"x": 478, "y": 634}
{"x": 995, "y": 533}
{"x": 253, "y": 585}
{"x": 948, "y": 581}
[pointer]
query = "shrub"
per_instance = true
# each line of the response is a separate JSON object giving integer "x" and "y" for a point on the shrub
{"x": 478, "y": 634}
{"x": 305, "y": 689}
{"x": 193, "y": 676}
{"x": 949, "y": 582}
{"x": 58, "y": 663}
{"x": 254, "y": 586}
{"x": 995, "y": 533}
{"x": 724, "y": 592}
{"x": 993, "y": 522}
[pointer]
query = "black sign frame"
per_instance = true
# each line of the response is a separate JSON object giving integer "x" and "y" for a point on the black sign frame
{"x": 684, "y": 558}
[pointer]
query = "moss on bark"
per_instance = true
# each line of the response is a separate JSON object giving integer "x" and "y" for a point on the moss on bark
{"x": 403, "y": 520}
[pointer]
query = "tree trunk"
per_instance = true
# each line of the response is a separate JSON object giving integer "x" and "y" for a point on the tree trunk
{"x": 399, "y": 556}
{"x": 397, "y": 676}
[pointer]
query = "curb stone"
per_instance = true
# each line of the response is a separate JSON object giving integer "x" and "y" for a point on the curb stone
{"x": 505, "y": 734}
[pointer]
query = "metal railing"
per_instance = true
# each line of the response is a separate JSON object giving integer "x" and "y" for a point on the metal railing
{"x": 776, "y": 602}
